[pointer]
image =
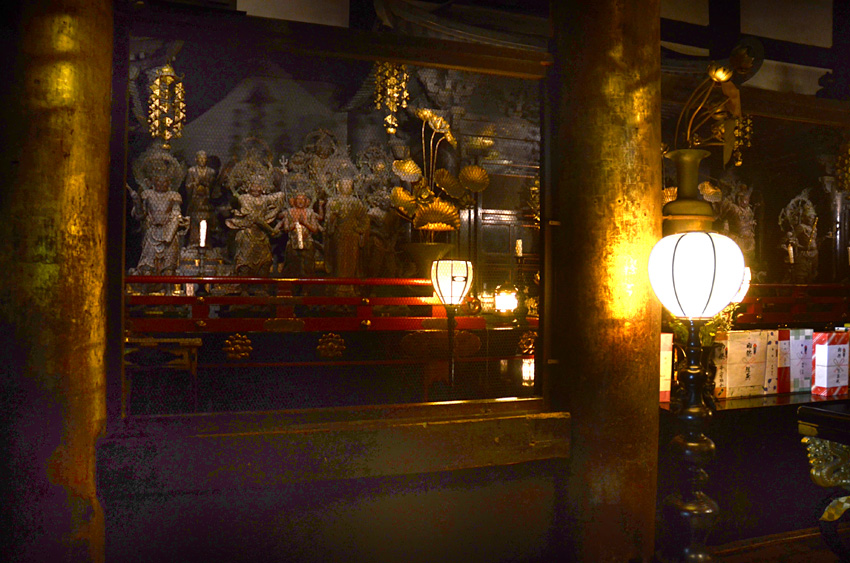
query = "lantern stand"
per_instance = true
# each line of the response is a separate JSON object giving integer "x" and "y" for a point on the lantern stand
{"x": 451, "y": 323}
{"x": 690, "y": 510}
{"x": 451, "y": 280}
{"x": 695, "y": 274}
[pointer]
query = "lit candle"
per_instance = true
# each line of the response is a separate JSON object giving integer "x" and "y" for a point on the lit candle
{"x": 203, "y": 232}
{"x": 790, "y": 254}
{"x": 519, "y": 247}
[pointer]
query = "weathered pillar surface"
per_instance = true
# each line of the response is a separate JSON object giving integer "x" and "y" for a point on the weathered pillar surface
{"x": 54, "y": 163}
{"x": 606, "y": 199}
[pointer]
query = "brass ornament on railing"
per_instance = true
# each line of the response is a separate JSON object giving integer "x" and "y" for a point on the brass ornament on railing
{"x": 527, "y": 342}
{"x": 330, "y": 345}
{"x": 166, "y": 106}
{"x": 237, "y": 347}
{"x": 391, "y": 91}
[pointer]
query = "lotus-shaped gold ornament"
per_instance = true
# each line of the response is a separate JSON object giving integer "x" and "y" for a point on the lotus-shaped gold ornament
{"x": 438, "y": 124}
{"x": 474, "y": 178}
{"x": 423, "y": 113}
{"x": 439, "y": 215}
{"x": 434, "y": 196}
{"x": 402, "y": 200}
{"x": 407, "y": 170}
{"x": 448, "y": 183}
{"x": 451, "y": 139}
{"x": 422, "y": 192}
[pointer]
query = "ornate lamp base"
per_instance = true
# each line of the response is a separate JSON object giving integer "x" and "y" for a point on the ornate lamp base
{"x": 690, "y": 513}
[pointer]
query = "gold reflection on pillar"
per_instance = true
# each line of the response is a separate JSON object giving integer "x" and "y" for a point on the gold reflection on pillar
{"x": 57, "y": 130}
{"x": 606, "y": 212}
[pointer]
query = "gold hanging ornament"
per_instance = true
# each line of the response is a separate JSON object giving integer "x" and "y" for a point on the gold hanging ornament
{"x": 743, "y": 137}
{"x": 166, "y": 106}
{"x": 391, "y": 91}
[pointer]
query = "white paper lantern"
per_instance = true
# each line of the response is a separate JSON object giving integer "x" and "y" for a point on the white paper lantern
{"x": 696, "y": 274}
{"x": 452, "y": 280}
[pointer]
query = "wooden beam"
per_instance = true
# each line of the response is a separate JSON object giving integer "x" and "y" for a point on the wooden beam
{"x": 796, "y": 107}
{"x": 244, "y": 32}
{"x": 373, "y": 448}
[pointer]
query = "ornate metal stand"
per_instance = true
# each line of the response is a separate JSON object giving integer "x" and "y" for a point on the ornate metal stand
{"x": 451, "y": 323}
{"x": 689, "y": 512}
{"x": 830, "y": 463}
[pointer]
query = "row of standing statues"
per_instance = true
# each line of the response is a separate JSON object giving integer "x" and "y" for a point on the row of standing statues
{"x": 804, "y": 254}
{"x": 317, "y": 213}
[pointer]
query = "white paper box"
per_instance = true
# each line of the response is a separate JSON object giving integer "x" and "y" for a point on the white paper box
{"x": 801, "y": 359}
{"x": 830, "y": 380}
{"x": 829, "y": 363}
{"x": 771, "y": 362}
{"x": 666, "y": 365}
{"x": 740, "y": 359}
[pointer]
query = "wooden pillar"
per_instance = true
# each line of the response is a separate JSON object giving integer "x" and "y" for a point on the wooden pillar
{"x": 54, "y": 162}
{"x": 603, "y": 219}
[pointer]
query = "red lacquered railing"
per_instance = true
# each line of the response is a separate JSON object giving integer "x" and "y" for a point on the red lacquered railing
{"x": 777, "y": 305}
{"x": 281, "y": 297}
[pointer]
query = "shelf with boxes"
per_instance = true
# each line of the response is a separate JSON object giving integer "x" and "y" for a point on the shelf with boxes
{"x": 789, "y": 364}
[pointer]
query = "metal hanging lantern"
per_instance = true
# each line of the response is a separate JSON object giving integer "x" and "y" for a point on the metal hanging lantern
{"x": 391, "y": 91}
{"x": 166, "y": 106}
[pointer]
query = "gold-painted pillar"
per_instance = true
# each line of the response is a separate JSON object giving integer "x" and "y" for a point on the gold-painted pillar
{"x": 55, "y": 157}
{"x": 603, "y": 219}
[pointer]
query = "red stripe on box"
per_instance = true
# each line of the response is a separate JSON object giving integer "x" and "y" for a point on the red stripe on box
{"x": 829, "y": 391}
{"x": 831, "y": 338}
{"x": 783, "y": 380}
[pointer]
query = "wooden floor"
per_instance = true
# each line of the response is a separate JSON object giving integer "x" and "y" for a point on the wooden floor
{"x": 803, "y": 546}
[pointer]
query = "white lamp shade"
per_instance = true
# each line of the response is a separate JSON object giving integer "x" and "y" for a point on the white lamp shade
{"x": 745, "y": 286}
{"x": 452, "y": 280}
{"x": 696, "y": 274}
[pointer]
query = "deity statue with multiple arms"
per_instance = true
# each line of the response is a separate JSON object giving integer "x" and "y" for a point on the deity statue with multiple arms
{"x": 157, "y": 207}
{"x": 199, "y": 181}
{"x": 799, "y": 221}
{"x": 252, "y": 220}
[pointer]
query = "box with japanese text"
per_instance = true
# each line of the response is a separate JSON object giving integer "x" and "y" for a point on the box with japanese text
{"x": 783, "y": 361}
{"x": 771, "y": 362}
{"x": 829, "y": 363}
{"x": 740, "y": 357}
{"x": 801, "y": 359}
